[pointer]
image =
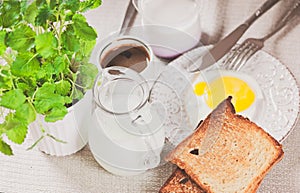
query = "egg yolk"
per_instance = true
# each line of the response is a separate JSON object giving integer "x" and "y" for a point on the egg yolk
{"x": 200, "y": 88}
{"x": 222, "y": 87}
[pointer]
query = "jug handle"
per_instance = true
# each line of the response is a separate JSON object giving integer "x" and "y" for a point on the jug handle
{"x": 151, "y": 159}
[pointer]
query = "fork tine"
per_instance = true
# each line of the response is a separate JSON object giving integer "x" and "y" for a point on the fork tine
{"x": 244, "y": 56}
{"x": 229, "y": 57}
{"x": 241, "y": 56}
{"x": 236, "y": 57}
{"x": 232, "y": 56}
{"x": 252, "y": 50}
{"x": 247, "y": 56}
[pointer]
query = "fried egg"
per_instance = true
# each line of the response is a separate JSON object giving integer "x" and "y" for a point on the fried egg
{"x": 212, "y": 87}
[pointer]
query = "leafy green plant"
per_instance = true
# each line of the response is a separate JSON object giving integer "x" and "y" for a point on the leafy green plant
{"x": 44, "y": 48}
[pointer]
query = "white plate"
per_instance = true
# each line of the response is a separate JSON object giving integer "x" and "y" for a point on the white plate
{"x": 281, "y": 95}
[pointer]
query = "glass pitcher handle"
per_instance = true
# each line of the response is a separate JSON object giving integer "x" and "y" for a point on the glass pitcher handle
{"x": 151, "y": 159}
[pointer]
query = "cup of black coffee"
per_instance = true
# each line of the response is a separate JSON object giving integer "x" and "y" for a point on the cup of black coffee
{"x": 127, "y": 51}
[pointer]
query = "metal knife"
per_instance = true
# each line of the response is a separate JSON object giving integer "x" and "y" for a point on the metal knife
{"x": 224, "y": 46}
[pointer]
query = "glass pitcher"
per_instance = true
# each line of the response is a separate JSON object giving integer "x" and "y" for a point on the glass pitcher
{"x": 127, "y": 136}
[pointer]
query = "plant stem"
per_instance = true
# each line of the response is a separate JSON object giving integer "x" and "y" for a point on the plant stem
{"x": 35, "y": 143}
{"x": 61, "y": 19}
{"x": 32, "y": 58}
{"x": 33, "y": 95}
{"x": 54, "y": 138}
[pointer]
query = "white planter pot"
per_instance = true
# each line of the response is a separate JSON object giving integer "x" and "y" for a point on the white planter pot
{"x": 73, "y": 129}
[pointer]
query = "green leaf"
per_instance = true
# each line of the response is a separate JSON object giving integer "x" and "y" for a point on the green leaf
{"x": 5, "y": 83}
{"x": 86, "y": 48}
{"x": 14, "y": 128}
{"x": 46, "y": 44}
{"x": 28, "y": 86}
{"x": 21, "y": 39}
{"x": 87, "y": 75}
{"x": 89, "y": 4}
{"x": 72, "y": 5}
{"x": 25, "y": 64}
{"x": 56, "y": 113}
{"x": 46, "y": 98}
{"x": 41, "y": 74}
{"x": 43, "y": 106}
{"x": 40, "y": 3}
{"x": 30, "y": 13}
{"x": 10, "y": 13}
{"x": 53, "y": 4}
{"x": 63, "y": 87}
{"x": 68, "y": 100}
{"x": 45, "y": 90}
{"x": 23, "y": 86}
{"x": 25, "y": 113}
{"x": 82, "y": 28}
{"x": 17, "y": 134}
{"x": 2, "y": 42}
{"x": 44, "y": 13}
{"x": 77, "y": 94}
{"x": 9, "y": 122}
{"x": 12, "y": 99}
{"x": 23, "y": 6}
{"x": 59, "y": 64}
{"x": 70, "y": 41}
{"x": 48, "y": 69}
{"x": 5, "y": 148}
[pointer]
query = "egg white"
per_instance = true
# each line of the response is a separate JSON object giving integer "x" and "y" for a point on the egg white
{"x": 253, "y": 112}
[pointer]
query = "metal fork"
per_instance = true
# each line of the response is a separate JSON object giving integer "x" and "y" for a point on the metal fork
{"x": 241, "y": 54}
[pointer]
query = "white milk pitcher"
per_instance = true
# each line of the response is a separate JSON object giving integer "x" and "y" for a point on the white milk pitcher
{"x": 127, "y": 137}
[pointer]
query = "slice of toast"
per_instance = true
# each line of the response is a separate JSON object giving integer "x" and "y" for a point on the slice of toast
{"x": 180, "y": 182}
{"x": 227, "y": 153}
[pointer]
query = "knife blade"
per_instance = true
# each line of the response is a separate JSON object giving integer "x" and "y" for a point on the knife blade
{"x": 128, "y": 20}
{"x": 224, "y": 46}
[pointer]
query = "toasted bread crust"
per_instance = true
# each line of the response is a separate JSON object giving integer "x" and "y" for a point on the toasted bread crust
{"x": 234, "y": 154}
{"x": 180, "y": 182}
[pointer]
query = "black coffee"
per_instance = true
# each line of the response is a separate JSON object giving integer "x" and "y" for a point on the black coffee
{"x": 130, "y": 56}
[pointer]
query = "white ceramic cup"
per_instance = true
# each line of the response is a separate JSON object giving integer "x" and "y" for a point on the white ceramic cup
{"x": 171, "y": 27}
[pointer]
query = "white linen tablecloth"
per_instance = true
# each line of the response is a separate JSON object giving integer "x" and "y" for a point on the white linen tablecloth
{"x": 33, "y": 171}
